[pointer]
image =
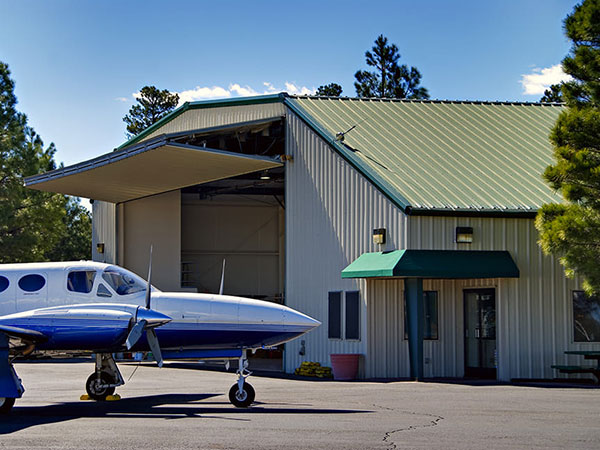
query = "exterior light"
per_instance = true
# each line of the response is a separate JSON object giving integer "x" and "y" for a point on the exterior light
{"x": 379, "y": 236}
{"x": 100, "y": 247}
{"x": 265, "y": 176}
{"x": 464, "y": 235}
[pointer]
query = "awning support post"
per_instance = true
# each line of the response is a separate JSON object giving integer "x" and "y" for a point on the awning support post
{"x": 415, "y": 315}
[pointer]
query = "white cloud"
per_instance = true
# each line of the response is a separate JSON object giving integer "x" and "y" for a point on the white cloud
{"x": 238, "y": 90}
{"x": 122, "y": 99}
{"x": 291, "y": 88}
{"x": 537, "y": 82}
{"x": 233, "y": 90}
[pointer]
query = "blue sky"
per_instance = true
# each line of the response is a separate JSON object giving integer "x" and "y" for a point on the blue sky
{"x": 77, "y": 63}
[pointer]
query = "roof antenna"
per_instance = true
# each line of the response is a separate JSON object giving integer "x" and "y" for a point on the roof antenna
{"x": 340, "y": 136}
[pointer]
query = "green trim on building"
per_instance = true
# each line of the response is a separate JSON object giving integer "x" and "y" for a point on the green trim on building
{"x": 349, "y": 157}
{"x": 260, "y": 99}
{"x": 433, "y": 264}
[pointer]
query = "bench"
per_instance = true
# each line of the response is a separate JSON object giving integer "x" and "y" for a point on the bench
{"x": 594, "y": 370}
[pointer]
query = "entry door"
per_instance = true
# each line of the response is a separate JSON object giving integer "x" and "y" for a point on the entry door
{"x": 480, "y": 333}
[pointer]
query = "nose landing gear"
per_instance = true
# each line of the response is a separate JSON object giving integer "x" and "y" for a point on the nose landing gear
{"x": 242, "y": 394}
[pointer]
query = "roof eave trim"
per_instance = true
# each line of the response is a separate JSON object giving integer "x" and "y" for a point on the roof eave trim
{"x": 256, "y": 100}
{"x": 349, "y": 157}
{"x": 447, "y": 212}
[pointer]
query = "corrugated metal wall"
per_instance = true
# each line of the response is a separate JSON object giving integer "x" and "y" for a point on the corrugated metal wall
{"x": 195, "y": 119}
{"x": 331, "y": 211}
{"x": 534, "y": 312}
{"x": 104, "y": 230}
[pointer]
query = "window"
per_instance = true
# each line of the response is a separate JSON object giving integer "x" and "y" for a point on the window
{"x": 352, "y": 315}
{"x": 3, "y": 283}
{"x": 123, "y": 282}
{"x": 430, "y": 325}
{"x": 32, "y": 282}
{"x": 103, "y": 291}
{"x": 586, "y": 317}
{"x": 81, "y": 281}
{"x": 335, "y": 315}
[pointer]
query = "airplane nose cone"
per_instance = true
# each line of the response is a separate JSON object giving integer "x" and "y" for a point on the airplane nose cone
{"x": 152, "y": 318}
{"x": 299, "y": 320}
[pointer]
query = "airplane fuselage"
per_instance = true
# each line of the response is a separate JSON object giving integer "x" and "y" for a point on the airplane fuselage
{"x": 41, "y": 296}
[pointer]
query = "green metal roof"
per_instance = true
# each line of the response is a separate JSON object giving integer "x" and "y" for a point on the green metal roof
{"x": 443, "y": 156}
{"x": 455, "y": 264}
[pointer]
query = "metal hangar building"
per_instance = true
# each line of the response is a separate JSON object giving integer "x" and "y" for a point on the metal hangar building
{"x": 405, "y": 227}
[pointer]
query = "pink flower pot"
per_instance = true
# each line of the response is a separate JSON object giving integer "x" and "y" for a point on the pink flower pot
{"x": 345, "y": 366}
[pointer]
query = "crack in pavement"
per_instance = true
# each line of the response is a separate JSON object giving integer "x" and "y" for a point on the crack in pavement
{"x": 434, "y": 420}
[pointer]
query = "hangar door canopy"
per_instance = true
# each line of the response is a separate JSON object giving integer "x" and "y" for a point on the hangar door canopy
{"x": 149, "y": 168}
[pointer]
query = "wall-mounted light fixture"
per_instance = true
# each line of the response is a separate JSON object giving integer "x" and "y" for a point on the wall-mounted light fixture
{"x": 464, "y": 235}
{"x": 265, "y": 175}
{"x": 100, "y": 247}
{"x": 379, "y": 236}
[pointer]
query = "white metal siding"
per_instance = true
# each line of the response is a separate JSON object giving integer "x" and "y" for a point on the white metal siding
{"x": 104, "y": 231}
{"x": 534, "y": 312}
{"x": 331, "y": 211}
{"x": 195, "y": 119}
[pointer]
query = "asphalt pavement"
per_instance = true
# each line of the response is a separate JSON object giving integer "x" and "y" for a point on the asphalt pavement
{"x": 180, "y": 408}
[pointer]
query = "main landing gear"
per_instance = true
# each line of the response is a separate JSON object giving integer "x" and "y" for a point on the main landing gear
{"x": 105, "y": 379}
{"x": 242, "y": 394}
{"x": 11, "y": 387}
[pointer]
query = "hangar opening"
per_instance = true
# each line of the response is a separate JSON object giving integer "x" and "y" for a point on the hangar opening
{"x": 240, "y": 222}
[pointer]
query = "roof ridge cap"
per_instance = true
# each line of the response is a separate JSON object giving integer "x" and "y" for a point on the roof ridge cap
{"x": 413, "y": 100}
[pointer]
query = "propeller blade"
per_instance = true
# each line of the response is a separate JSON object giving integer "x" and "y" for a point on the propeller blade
{"x": 149, "y": 287}
{"x": 135, "y": 334}
{"x": 153, "y": 343}
{"x": 222, "y": 278}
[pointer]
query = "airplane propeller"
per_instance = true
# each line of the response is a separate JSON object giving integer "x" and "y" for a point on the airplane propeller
{"x": 147, "y": 320}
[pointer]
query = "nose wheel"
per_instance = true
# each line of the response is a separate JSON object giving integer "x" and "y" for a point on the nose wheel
{"x": 244, "y": 398}
{"x": 241, "y": 394}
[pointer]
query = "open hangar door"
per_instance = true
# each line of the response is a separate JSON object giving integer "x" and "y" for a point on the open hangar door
{"x": 239, "y": 220}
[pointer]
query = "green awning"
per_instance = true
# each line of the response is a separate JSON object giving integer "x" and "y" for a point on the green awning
{"x": 461, "y": 264}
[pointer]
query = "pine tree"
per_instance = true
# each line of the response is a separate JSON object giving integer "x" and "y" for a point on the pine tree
{"x": 153, "y": 104}
{"x": 552, "y": 95}
{"x": 330, "y": 90}
{"x": 389, "y": 79}
{"x": 571, "y": 230}
{"x": 32, "y": 223}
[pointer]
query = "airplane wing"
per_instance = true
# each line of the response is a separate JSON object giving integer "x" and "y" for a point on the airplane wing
{"x": 84, "y": 326}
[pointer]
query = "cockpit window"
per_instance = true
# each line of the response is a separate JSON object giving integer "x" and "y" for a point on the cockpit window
{"x": 122, "y": 282}
{"x": 103, "y": 291}
{"x": 81, "y": 281}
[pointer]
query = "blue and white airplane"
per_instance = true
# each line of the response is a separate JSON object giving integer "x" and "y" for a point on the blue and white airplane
{"x": 106, "y": 309}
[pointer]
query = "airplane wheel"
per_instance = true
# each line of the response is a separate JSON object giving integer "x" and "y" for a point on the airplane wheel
{"x": 6, "y": 404}
{"x": 245, "y": 399}
{"x": 94, "y": 388}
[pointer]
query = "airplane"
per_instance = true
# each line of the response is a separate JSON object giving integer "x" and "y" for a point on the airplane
{"x": 106, "y": 309}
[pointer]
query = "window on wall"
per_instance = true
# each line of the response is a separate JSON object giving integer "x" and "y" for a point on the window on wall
{"x": 352, "y": 315}
{"x": 335, "y": 315}
{"x": 430, "y": 325}
{"x": 586, "y": 317}
{"x": 344, "y": 315}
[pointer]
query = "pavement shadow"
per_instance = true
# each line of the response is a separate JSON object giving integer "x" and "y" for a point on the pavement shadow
{"x": 165, "y": 406}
